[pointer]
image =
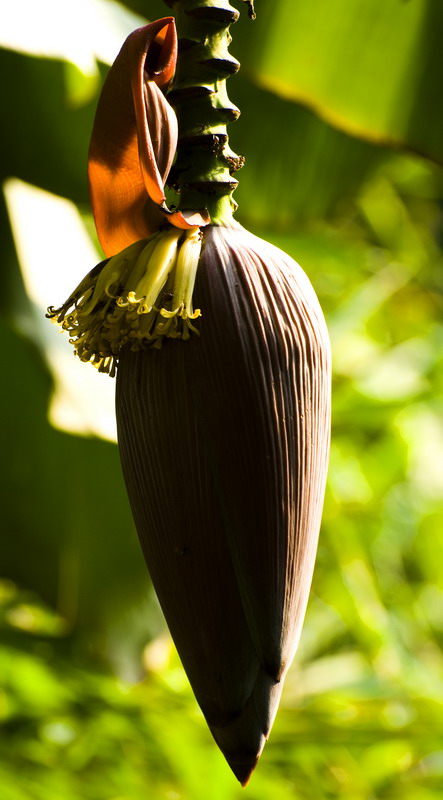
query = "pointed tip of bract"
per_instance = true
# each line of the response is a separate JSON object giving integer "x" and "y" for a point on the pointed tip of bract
{"x": 242, "y": 740}
{"x": 243, "y": 769}
{"x": 241, "y": 759}
{"x": 241, "y": 745}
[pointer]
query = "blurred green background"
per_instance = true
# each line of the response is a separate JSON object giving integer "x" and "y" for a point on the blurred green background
{"x": 342, "y": 128}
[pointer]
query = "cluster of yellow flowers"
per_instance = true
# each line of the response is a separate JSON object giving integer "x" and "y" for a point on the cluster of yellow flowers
{"x": 137, "y": 297}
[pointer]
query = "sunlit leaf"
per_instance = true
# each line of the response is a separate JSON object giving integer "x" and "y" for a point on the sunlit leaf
{"x": 81, "y": 31}
{"x": 297, "y": 167}
{"x": 43, "y": 224}
{"x": 374, "y": 70}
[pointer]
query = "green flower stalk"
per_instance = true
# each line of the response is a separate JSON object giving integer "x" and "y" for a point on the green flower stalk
{"x": 222, "y": 360}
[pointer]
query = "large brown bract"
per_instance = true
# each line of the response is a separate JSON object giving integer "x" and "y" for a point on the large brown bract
{"x": 224, "y": 443}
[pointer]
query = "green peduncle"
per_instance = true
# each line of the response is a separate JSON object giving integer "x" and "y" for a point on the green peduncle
{"x": 205, "y": 165}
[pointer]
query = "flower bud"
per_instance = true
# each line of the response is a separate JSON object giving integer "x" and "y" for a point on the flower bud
{"x": 224, "y": 445}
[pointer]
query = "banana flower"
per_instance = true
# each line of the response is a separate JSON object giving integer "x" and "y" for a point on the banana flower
{"x": 224, "y": 435}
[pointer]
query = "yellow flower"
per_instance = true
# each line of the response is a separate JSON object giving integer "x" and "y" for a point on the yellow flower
{"x": 136, "y": 298}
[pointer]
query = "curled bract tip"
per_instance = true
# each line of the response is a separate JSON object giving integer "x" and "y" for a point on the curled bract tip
{"x": 134, "y": 140}
{"x": 137, "y": 298}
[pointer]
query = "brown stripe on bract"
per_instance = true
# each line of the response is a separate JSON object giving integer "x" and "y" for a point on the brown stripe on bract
{"x": 273, "y": 398}
{"x": 224, "y": 443}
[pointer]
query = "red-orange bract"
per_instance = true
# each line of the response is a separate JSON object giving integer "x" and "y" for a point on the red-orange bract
{"x": 134, "y": 140}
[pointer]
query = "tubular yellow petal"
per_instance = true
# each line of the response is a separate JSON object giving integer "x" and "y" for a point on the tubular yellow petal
{"x": 185, "y": 273}
{"x": 159, "y": 267}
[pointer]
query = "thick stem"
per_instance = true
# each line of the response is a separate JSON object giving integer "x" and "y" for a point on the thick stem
{"x": 203, "y": 171}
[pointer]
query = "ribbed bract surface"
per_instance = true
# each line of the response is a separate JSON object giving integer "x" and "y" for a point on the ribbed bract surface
{"x": 224, "y": 443}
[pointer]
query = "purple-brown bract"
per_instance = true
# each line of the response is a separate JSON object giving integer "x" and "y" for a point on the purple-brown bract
{"x": 224, "y": 444}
